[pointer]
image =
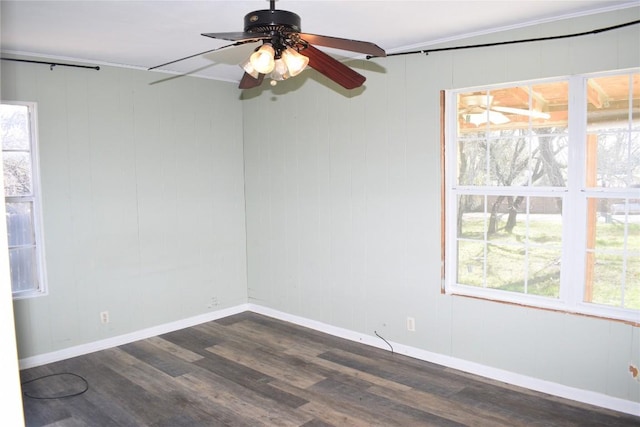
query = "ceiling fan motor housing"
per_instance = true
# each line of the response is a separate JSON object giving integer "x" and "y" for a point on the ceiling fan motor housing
{"x": 268, "y": 21}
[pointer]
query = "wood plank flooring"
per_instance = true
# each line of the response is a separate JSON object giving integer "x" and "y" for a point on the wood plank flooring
{"x": 252, "y": 370}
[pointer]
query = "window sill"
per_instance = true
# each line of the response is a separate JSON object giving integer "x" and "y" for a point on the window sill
{"x": 563, "y": 310}
{"x": 29, "y": 295}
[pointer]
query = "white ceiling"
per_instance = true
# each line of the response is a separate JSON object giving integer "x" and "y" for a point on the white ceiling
{"x": 142, "y": 34}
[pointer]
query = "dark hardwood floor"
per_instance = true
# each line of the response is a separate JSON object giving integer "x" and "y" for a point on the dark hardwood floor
{"x": 252, "y": 370}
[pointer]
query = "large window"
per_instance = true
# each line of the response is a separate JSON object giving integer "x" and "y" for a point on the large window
{"x": 543, "y": 193}
{"x": 22, "y": 199}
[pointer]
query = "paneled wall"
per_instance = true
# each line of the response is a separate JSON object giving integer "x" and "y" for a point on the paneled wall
{"x": 143, "y": 199}
{"x": 343, "y": 208}
{"x": 144, "y": 205}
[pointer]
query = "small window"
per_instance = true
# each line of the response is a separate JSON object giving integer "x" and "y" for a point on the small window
{"x": 543, "y": 193}
{"x": 22, "y": 199}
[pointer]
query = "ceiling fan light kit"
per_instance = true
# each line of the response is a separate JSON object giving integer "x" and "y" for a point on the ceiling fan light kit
{"x": 247, "y": 66}
{"x": 263, "y": 59}
{"x": 280, "y": 71}
{"x": 295, "y": 61}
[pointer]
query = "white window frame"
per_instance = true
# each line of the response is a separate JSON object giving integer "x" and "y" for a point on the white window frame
{"x": 574, "y": 195}
{"x": 36, "y": 200}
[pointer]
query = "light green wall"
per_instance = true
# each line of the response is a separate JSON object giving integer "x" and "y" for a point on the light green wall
{"x": 143, "y": 199}
{"x": 343, "y": 208}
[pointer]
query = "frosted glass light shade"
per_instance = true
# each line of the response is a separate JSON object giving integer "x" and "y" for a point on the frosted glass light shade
{"x": 248, "y": 68}
{"x": 262, "y": 60}
{"x": 295, "y": 61}
{"x": 280, "y": 71}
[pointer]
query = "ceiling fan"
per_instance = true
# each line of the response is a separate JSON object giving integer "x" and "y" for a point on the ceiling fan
{"x": 286, "y": 51}
{"x": 479, "y": 109}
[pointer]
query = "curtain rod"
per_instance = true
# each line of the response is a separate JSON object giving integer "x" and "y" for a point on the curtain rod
{"x": 52, "y": 64}
{"x": 564, "y": 36}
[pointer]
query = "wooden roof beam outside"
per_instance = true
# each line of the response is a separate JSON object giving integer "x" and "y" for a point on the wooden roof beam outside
{"x": 523, "y": 93}
{"x": 596, "y": 95}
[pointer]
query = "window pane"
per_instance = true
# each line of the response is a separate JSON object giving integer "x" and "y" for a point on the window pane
{"x": 505, "y": 267}
{"x": 612, "y": 159}
{"x": 612, "y": 252}
{"x": 613, "y": 142}
{"x": 635, "y": 109}
{"x": 14, "y": 127}
{"x": 608, "y": 103}
{"x": 509, "y": 159}
{"x": 472, "y": 162}
{"x": 471, "y": 217}
{"x": 471, "y": 263}
{"x": 23, "y": 269}
{"x": 20, "y": 224}
{"x": 613, "y": 224}
{"x": 632, "y": 283}
{"x": 505, "y": 213}
{"x": 17, "y": 173}
{"x": 633, "y": 229}
{"x": 549, "y": 151}
{"x": 525, "y": 236}
{"x": 610, "y": 230}
{"x": 516, "y": 157}
{"x": 525, "y": 128}
{"x": 539, "y": 105}
{"x": 544, "y": 272}
{"x": 474, "y": 112}
{"x": 551, "y": 98}
{"x": 607, "y": 280}
{"x": 545, "y": 221}
{"x": 634, "y": 157}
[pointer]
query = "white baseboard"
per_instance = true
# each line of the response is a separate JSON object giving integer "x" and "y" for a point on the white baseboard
{"x": 548, "y": 387}
{"x": 79, "y": 350}
{"x": 555, "y": 389}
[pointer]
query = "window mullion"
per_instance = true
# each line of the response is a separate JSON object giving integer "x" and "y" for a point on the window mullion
{"x": 574, "y": 203}
{"x": 451, "y": 143}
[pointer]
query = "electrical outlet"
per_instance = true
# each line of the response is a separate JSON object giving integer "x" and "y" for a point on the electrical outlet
{"x": 104, "y": 317}
{"x": 411, "y": 324}
{"x": 213, "y": 302}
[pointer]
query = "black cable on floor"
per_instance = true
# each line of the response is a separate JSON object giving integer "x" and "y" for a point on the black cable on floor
{"x": 379, "y": 336}
{"x": 64, "y": 396}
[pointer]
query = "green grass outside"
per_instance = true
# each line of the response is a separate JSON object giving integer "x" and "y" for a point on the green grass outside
{"x": 507, "y": 254}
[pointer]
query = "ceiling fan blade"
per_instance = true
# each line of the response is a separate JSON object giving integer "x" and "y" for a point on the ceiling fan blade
{"x": 497, "y": 118}
{"x": 238, "y": 36}
{"x": 249, "y": 82}
{"x": 344, "y": 44}
{"x": 200, "y": 53}
{"x": 521, "y": 111}
{"x": 332, "y": 68}
{"x": 484, "y": 116}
